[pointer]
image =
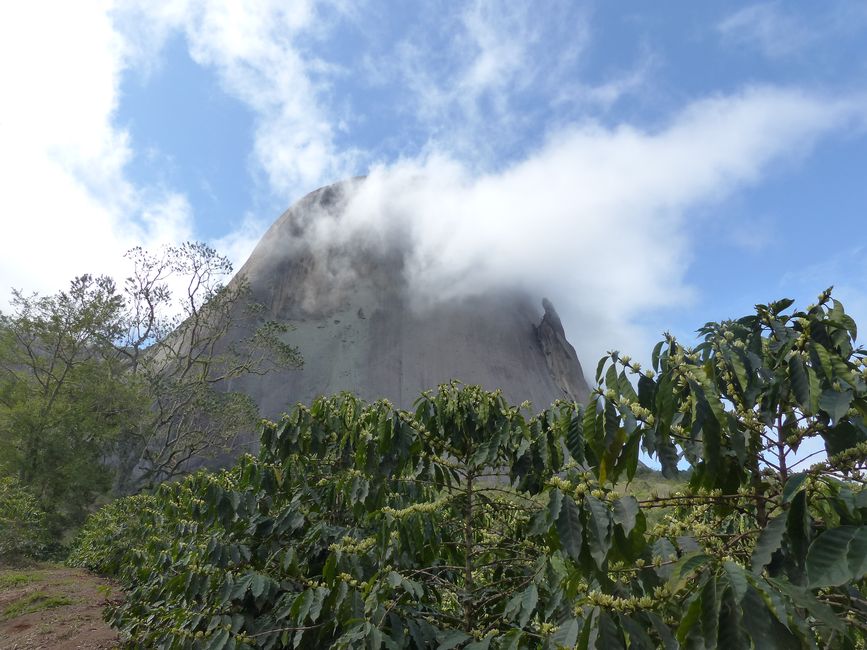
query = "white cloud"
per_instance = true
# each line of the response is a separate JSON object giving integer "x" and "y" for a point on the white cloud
{"x": 70, "y": 206}
{"x": 477, "y": 80}
{"x": 594, "y": 219}
{"x": 69, "y": 209}
{"x": 260, "y": 56}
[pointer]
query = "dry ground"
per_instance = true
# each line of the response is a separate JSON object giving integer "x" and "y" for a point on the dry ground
{"x": 54, "y": 607}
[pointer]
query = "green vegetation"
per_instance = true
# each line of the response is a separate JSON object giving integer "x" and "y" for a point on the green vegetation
{"x": 11, "y": 579}
{"x": 465, "y": 524}
{"x": 60, "y": 404}
{"x": 107, "y": 390}
{"x": 23, "y": 531}
{"x": 33, "y": 602}
{"x": 103, "y": 543}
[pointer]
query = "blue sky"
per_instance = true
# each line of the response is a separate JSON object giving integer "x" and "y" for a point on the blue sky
{"x": 647, "y": 166}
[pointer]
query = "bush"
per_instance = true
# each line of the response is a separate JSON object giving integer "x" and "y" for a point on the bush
{"x": 104, "y": 542}
{"x": 467, "y": 525}
{"x": 23, "y": 531}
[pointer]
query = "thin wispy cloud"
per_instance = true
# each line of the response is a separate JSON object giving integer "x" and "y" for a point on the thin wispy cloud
{"x": 768, "y": 27}
{"x": 778, "y": 31}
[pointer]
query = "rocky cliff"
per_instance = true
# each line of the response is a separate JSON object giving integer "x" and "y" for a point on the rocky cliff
{"x": 359, "y": 330}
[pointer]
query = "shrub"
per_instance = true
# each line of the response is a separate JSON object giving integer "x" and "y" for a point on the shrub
{"x": 23, "y": 531}
{"x": 467, "y": 525}
{"x": 107, "y": 537}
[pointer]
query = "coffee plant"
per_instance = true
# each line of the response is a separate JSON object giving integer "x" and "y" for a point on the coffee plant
{"x": 23, "y": 529}
{"x": 468, "y": 524}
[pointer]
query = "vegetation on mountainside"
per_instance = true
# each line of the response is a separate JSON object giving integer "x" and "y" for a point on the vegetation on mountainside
{"x": 98, "y": 383}
{"x": 467, "y": 525}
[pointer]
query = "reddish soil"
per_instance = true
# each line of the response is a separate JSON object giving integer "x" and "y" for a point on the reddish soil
{"x": 69, "y": 604}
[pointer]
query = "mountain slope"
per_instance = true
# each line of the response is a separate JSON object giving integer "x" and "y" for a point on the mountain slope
{"x": 359, "y": 328}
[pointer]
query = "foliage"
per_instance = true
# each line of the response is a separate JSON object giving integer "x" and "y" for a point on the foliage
{"x": 94, "y": 380}
{"x": 467, "y": 524}
{"x": 177, "y": 315}
{"x": 778, "y": 552}
{"x": 61, "y": 404}
{"x": 107, "y": 535}
{"x": 23, "y": 532}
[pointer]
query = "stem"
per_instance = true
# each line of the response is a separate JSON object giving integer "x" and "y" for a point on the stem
{"x": 468, "y": 559}
{"x": 761, "y": 513}
{"x": 781, "y": 448}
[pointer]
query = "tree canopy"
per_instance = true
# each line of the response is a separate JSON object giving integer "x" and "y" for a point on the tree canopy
{"x": 103, "y": 387}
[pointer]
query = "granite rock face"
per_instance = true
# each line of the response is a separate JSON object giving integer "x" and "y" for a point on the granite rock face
{"x": 358, "y": 329}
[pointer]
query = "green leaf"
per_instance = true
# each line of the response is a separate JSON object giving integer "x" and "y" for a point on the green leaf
{"x": 740, "y": 369}
{"x": 800, "y": 382}
{"x": 683, "y": 569}
{"x": 837, "y": 556}
{"x": 569, "y": 528}
{"x": 821, "y": 353}
{"x": 637, "y": 637}
{"x": 764, "y": 628}
{"x": 589, "y": 421}
{"x": 805, "y": 599}
{"x": 690, "y": 618}
{"x": 668, "y": 457}
{"x": 654, "y": 356}
{"x": 625, "y": 510}
{"x": 793, "y": 484}
{"x": 529, "y": 599}
{"x": 611, "y": 380}
{"x": 710, "y": 605}
{"x": 737, "y": 579}
{"x": 301, "y": 606}
{"x": 835, "y": 403}
{"x": 218, "y": 641}
{"x": 600, "y": 366}
{"x": 606, "y": 635}
{"x": 451, "y": 639}
{"x": 646, "y": 392}
{"x": 566, "y": 635}
{"x": 629, "y": 455}
{"x": 769, "y": 541}
{"x": 731, "y": 633}
{"x": 663, "y": 632}
{"x": 599, "y": 538}
{"x": 798, "y": 527}
{"x": 575, "y": 437}
{"x": 258, "y": 584}
{"x": 841, "y": 437}
{"x": 815, "y": 390}
{"x": 319, "y": 595}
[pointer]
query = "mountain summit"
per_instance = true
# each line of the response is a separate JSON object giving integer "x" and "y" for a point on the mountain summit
{"x": 359, "y": 329}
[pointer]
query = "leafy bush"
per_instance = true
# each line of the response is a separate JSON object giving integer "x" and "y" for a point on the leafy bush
{"x": 103, "y": 543}
{"x": 468, "y": 525}
{"x": 23, "y": 531}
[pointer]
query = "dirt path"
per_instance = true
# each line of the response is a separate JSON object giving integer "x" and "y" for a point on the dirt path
{"x": 54, "y": 607}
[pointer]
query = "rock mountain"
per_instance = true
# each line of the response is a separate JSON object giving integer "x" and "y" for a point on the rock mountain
{"x": 357, "y": 329}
